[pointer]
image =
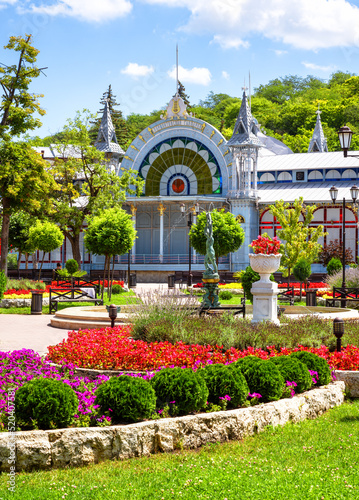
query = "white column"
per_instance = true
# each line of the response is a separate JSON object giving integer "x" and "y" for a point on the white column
{"x": 193, "y": 250}
{"x": 234, "y": 173}
{"x": 161, "y": 210}
{"x": 247, "y": 173}
{"x": 133, "y": 251}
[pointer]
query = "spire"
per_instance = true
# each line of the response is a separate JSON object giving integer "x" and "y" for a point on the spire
{"x": 318, "y": 143}
{"x": 246, "y": 128}
{"x": 106, "y": 138}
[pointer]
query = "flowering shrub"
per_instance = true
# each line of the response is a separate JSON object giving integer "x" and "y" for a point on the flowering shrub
{"x": 266, "y": 245}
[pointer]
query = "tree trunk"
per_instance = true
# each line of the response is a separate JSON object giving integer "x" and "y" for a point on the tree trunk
{"x": 19, "y": 260}
{"x": 112, "y": 274}
{"x": 34, "y": 260}
{"x": 104, "y": 277}
{"x": 301, "y": 288}
{"x": 108, "y": 275}
{"x": 4, "y": 235}
{"x": 43, "y": 258}
{"x": 26, "y": 261}
{"x": 75, "y": 245}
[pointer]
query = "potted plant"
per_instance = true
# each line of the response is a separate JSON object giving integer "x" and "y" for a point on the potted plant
{"x": 266, "y": 257}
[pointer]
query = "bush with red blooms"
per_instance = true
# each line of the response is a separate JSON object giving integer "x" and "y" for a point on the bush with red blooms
{"x": 113, "y": 348}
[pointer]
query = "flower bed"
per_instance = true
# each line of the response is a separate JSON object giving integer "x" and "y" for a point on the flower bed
{"x": 112, "y": 348}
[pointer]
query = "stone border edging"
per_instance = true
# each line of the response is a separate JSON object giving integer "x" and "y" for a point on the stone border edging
{"x": 351, "y": 380}
{"x": 77, "y": 447}
{"x": 7, "y": 303}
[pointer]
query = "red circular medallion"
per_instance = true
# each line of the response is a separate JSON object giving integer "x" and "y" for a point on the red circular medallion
{"x": 178, "y": 185}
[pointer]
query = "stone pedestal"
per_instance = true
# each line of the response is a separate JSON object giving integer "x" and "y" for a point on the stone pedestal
{"x": 210, "y": 298}
{"x": 265, "y": 302}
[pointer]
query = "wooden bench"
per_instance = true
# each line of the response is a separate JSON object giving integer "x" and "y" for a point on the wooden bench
{"x": 77, "y": 283}
{"x": 237, "y": 309}
{"x": 344, "y": 295}
{"x": 71, "y": 294}
{"x": 286, "y": 294}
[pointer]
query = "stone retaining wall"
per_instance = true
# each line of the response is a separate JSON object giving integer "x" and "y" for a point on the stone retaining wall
{"x": 6, "y": 303}
{"x": 82, "y": 446}
{"x": 351, "y": 379}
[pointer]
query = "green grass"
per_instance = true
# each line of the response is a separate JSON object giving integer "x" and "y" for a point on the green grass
{"x": 312, "y": 460}
{"x": 118, "y": 299}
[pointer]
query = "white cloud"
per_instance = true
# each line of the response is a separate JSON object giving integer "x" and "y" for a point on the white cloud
{"x": 225, "y": 75}
{"x": 303, "y": 24}
{"x": 136, "y": 70}
{"x": 89, "y": 10}
{"x": 6, "y": 3}
{"x": 316, "y": 67}
{"x": 280, "y": 52}
{"x": 200, "y": 76}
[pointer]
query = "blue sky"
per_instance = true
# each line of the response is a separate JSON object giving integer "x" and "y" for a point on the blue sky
{"x": 131, "y": 44}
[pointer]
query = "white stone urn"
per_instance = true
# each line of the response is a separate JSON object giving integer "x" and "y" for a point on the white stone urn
{"x": 265, "y": 264}
{"x": 265, "y": 291}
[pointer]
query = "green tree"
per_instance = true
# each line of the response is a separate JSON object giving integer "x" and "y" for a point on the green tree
{"x": 46, "y": 237}
{"x": 227, "y": 233}
{"x": 110, "y": 233}
{"x": 299, "y": 239}
{"x": 302, "y": 270}
{"x": 185, "y": 97}
{"x": 25, "y": 183}
{"x": 17, "y": 105}
{"x": 123, "y": 135}
{"x": 19, "y": 228}
{"x": 87, "y": 184}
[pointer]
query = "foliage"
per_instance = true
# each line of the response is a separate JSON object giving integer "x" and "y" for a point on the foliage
{"x": 71, "y": 266}
{"x": 334, "y": 265}
{"x": 97, "y": 187}
{"x": 126, "y": 398}
{"x": 24, "y": 185}
{"x": 46, "y": 237}
{"x": 265, "y": 379}
{"x": 222, "y": 380}
{"x": 334, "y": 249}
{"x": 11, "y": 261}
{"x": 293, "y": 370}
{"x": 315, "y": 363}
{"x": 183, "y": 386}
{"x": 299, "y": 240}
{"x": 116, "y": 289}
{"x": 302, "y": 270}
{"x": 249, "y": 277}
{"x": 227, "y": 233}
{"x": 351, "y": 278}
{"x": 25, "y": 284}
{"x": 246, "y": 363}
{"x": 265, "y": 245}
{"x": 2, "y": 284}
{"x": 225, "y": 295}
{"x": 20, "y": 223}
{"x": 51, "y": 403}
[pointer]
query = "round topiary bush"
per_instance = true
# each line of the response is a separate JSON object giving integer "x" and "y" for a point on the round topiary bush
{"x": 225, "y": 295}
{"x": 334, "y": 265}
{"x": 293, "y": 370}
{"x": 223, "y": 380}
{"x": 72, "y": 266}
{"x": 265, "y": 379}
{"x": 182, "y": 385}
{"x": 130, "y": 399}
{"x": 316, "y": 364}
{"x": 50, "y": 403}
{"x": 117, "y": 289}
{"x": 243, "y": 364}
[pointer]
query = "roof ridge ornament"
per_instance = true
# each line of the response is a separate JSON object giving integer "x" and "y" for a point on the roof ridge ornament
{"x": 318, "y": 142}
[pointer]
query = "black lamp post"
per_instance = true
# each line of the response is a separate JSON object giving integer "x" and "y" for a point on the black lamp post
{"x": 112, "y": 312}
{"x": 334, "y": 194}
{"x": 345, "y": 137}
{"x": 338, "y": 330}
{"x": 189, "y": 224}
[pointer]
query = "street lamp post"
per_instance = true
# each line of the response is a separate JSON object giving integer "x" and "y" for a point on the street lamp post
{"x": 189, "y": 224}
{"x": 334, "y": 194}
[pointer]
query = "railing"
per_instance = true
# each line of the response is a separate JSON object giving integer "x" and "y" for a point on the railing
{"x": 167, "y": 259}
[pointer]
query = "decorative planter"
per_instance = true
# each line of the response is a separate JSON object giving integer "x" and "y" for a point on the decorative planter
{"x": 265, "y": 291}
{"x": 265, "y": 265}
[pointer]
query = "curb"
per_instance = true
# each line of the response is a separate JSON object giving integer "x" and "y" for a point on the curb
{"x": 75, "y": 447}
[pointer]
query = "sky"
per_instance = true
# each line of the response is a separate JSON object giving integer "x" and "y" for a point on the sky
{"x": 87, "y": 45}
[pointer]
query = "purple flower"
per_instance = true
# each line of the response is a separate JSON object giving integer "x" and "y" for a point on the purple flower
{"x": 255, "y": 395}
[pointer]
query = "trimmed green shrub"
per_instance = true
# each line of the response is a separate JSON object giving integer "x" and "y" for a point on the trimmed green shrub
{"x": 293, "y": 370}
{"x": 265, "y": 379}
{"x": 49, "y": 403}
{"x": 334, "y": 265}
{"x": 71, "y": 266}
{"x": 2, "y": 284}
{"x": 182, "y": 385}
{"x": 225, "y": 295}
{"x": 117, "y": 289}
{"x": 315, "y": 363}
{"x": 131, "y": 399}
{"x": 247, "y": 279}
{"x": 223, "y": 380}
{"x": 246, "y": 363}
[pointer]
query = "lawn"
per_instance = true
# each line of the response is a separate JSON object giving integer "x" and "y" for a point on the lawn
{"x": 314, "y": 459}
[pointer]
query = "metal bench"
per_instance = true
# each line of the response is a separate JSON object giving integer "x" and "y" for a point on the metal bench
{"x": 286, "y": 294}
{"x": 237, "y": 309}
{"x": 70, "y": 294}
{"x": 342, "y": 296}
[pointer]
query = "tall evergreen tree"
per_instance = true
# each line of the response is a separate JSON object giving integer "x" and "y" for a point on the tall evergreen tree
{"x": 124, "y": 137}
{"x": 182, "y": 93}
